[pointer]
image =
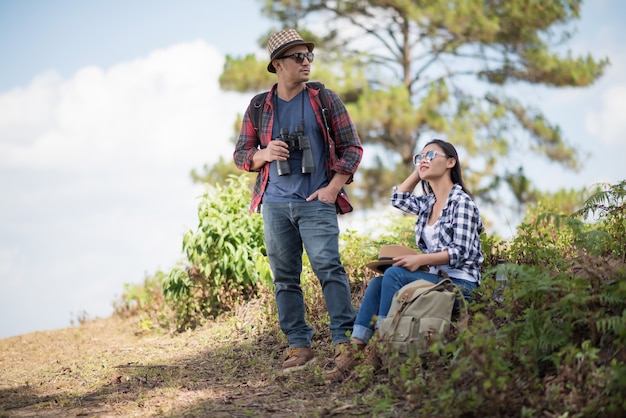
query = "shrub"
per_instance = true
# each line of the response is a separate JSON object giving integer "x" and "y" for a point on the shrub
{"x": 557, "y": 345}
{"x": 226, "y": 256}
{"x": 146, "y": 300}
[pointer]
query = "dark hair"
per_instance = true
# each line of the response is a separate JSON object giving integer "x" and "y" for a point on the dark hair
{"x": 455, "y": 173}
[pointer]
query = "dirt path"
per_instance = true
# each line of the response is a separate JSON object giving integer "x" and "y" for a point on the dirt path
{"x": 103, "y": 368}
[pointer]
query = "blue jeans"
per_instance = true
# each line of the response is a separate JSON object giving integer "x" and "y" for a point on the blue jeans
{"x": 379, "y": 294}
{"x": 288, "y": 227}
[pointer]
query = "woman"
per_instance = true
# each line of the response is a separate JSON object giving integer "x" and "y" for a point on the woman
{"x": 447, "y": 231}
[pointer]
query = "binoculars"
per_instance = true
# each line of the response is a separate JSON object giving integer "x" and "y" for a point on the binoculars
{"x": 296, "y": 142}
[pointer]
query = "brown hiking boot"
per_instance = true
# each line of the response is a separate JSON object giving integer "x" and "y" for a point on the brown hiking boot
{"x": 371, "y": 357}
{"x": 347, "y": 357}
{"x": 298, "y": 358}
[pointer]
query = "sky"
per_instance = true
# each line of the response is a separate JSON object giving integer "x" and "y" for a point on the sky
{"x": 107, "y": 105}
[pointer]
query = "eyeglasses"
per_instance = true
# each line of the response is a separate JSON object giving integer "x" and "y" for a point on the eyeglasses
{"x": 299, "y": 57}
{"x": 428, "y": 157}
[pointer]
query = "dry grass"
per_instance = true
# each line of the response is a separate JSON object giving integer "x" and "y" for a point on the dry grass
{"x": 104, "y": 368}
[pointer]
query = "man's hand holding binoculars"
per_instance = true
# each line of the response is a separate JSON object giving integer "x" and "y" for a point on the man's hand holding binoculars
{"x": 277, "y": 151}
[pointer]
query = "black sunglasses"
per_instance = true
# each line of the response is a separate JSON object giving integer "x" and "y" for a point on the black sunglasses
{"x": 299, "y": 57}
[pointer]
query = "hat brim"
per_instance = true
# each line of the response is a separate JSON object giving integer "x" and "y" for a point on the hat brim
{"x": 379, "y": 266}
{"x": 309, "y": 45}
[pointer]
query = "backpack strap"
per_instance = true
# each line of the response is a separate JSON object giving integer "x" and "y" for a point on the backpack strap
{"x": 256, "y": 107}
{"x": 323, "y": 95}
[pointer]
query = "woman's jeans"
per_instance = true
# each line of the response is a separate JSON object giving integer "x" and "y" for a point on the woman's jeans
{"x": 380, "y": 291}
{"x": 288, "y": 227}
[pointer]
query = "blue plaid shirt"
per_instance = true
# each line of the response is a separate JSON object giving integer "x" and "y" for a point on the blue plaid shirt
{"x": 457, "y": 231}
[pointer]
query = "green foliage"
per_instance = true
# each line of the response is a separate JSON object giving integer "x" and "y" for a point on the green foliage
{"x": 248, "y": 71}
{"x": 549, "y": 231}
{"x": 226, "y": 255}
{"x": 551, "y": 346}
{"x": 147, "y": 302}
{"x": 552, "y": 230}
{"x": 608, "y": 206}
{"x": 558, "y": 341}
{"x": 541, "y": 244}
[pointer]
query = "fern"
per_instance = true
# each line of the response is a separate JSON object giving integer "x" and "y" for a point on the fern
{"x": 613, "y": 324}
{"x": 607, "y": 199}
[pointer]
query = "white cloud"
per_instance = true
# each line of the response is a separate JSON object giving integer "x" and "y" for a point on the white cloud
{"x": 608, "y": 123}
{"x": 153, "y": 111}
{"x": 94, "y": 171}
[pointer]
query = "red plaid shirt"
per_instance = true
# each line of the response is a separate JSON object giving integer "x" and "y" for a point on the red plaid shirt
{"x": 345, "y": 150}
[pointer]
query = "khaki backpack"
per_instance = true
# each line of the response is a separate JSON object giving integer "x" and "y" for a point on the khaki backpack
{"x": 420, "y": 313}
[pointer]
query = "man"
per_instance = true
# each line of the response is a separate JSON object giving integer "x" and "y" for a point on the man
{"x": 296, "y": 189}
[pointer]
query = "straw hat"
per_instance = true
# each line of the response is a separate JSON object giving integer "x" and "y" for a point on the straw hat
{"x": 280, "y": 41}
{"x": 386, "y": 255}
